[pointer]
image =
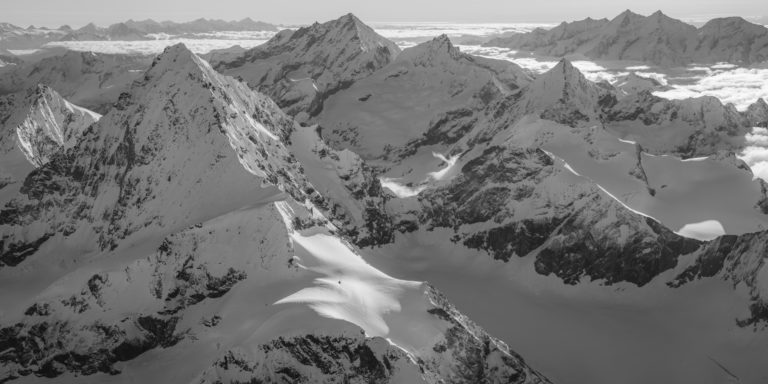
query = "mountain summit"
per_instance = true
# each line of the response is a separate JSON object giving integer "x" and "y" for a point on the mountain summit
{"x": 301, "y": 68}
{"x": 656, "y": 39}
{"x": 564, "y": 95}
{"x": 156, "y": 159}
{"x": 38, "y": 123}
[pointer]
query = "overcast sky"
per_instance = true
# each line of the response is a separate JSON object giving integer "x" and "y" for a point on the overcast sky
{"x": 79, "y": 12}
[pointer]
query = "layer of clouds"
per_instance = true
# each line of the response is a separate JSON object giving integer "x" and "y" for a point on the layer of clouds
{"x": 154, "y": 47}
{"x": 730, "y": 84}
{"x": 756, "y": 152}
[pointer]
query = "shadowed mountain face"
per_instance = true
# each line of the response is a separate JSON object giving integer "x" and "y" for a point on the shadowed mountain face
{"x": 655, "y": 39}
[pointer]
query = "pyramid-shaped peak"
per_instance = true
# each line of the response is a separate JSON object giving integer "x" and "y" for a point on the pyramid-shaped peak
{"x": 174, "y": 56}
{"x": 90, "y": 27}
{"x": 566, "y": 69}
{"x": 563, "y": 75}
{"x": 176, "y": 50}
{"x": 349, "y": 17}
{"x": 759, "y": 105}
{"x": 562, "y": 94}
{"x": 627, "y": 17}
{"x": 432, "y": 52}
{"x": 351, "y": 25}
{"x": 342, "y": 30}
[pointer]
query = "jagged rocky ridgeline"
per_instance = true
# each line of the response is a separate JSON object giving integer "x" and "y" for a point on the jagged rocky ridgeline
{"x": 197, "y": 223}
{"x": 37, "y": 123}
{"x": 194, "y": 219}
{"x": 657, "y": 39}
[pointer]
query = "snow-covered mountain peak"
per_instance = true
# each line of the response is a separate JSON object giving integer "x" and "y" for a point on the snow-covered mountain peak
{"x": 300, "y": 69}
{"x": 335, "y": 34}
{"x": 560, "y": 80}
{"x": 435, "y": 52}
{"x": 626, "y": 18}
{"x": 563, "y": 94}
{"x": 176, "y": 58}
{"x": 37, "y": 123}
{"x": 159, "y": 158}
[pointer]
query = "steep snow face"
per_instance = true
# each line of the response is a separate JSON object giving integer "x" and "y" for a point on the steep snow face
{"x": 37, "y": 123}
{"x": 301, "y": 68}
{"x": 656, "y": 39}
{"x": 91, "y": 80}
{"x": 157, "y": 161}
{"x": 413, "y": 98}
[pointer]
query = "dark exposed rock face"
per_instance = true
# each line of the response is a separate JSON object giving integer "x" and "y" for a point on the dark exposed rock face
{"x": 311, "y": 359}
{"x": 736, "y": 259}
{"x": 467, "y": 354}
{"x": 49, "y": 349}
{"x": 464, "y": 353}
{"x": 571, "y": 239}
{"x": 183, "y": 272}
{"x": 638, "y": 260}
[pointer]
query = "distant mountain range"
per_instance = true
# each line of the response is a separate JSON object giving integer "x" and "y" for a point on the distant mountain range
{"x": 15, "y": 37}
{"x": 213, "y": 222}
{"x": 656, "y": 39}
